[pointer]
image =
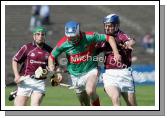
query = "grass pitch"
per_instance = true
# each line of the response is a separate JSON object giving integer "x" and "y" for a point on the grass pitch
{"x": 61, "y": 96}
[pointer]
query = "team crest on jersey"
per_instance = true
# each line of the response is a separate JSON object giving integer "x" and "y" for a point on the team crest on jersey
{"x": 32, "y": 54}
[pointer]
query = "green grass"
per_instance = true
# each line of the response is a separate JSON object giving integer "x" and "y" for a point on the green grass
{"x": 60, "y": 96}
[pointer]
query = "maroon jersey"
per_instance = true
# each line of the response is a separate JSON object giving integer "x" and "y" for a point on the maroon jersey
{"x": 110, "y": 62}
{"x": 31, "y": 57}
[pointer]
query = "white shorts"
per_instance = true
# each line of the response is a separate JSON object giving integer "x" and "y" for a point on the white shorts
{"x": 30, "y": 85}
{"x": 122, "y": 78}
{"x": 79, "y": 82}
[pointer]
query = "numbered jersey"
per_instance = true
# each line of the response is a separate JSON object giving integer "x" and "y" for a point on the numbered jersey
{"x": 81, "y": 56}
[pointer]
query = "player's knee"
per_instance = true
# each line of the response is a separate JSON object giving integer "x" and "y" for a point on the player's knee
{"x": 20, "y": 101}
{"x": 36, "y": 102}
{"x": 90, "y": 91}
{"x": 115, "y": 99}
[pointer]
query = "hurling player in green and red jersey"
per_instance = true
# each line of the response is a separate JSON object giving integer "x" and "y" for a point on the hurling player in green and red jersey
{"x": 80, "y": 48}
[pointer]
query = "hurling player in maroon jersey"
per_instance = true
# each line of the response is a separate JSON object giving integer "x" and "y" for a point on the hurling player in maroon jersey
{"x": 117, "y": 77}
{"x": 30, "y": 57}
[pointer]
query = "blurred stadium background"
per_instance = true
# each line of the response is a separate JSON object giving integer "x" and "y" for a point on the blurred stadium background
{"x": 136, "y": 20}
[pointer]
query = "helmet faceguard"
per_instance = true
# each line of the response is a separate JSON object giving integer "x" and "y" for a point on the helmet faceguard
{"x": 112, "y": 19}
{"x": 72, "y": 31}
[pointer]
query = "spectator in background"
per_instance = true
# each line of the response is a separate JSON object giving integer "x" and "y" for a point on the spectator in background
{"x": 40, "y": 16}
{"x": 35, "y": 19}
{"x": 148, "y": 43}
{"x": 45, "y": 14}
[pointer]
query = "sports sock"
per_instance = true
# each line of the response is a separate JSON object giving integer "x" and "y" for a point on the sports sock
{"x": 96, "y": 102}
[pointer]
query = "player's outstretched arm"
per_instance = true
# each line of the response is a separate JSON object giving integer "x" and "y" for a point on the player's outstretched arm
{"x": 114, "y": 47}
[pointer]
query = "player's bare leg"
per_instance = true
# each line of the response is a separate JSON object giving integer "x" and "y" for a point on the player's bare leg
{"x": 36, "y": 98}
{"x": 91, "y": 89}
{"x": 83, "y": 98}
{"x": 20, "y": 100}
{"x": 114, "y": 94}
{"x": 129, "y": 98}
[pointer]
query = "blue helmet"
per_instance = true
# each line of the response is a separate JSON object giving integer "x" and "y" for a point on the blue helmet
{"x": 111, "y": 18}
{"x": 72, "y": 29}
